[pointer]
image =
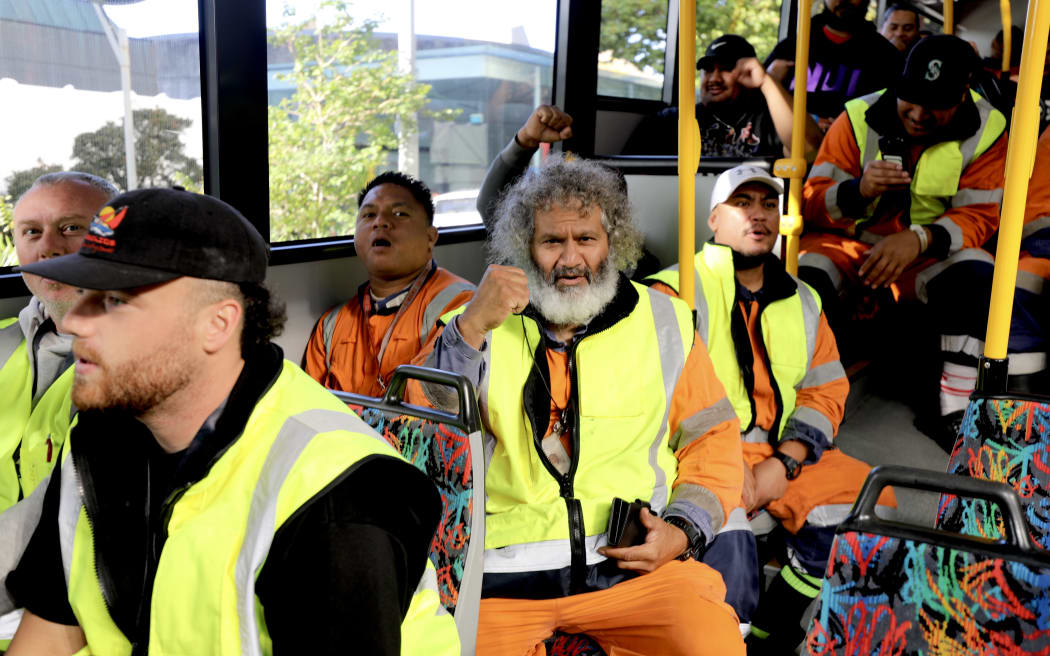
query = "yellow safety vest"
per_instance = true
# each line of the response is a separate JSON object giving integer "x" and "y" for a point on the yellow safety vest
{"x": 296, "y": 442}
{"x": 624, "y": 446}
{"x": 789, "y": 330}
{"x": 935, "y": 183}
{"x": 46, "y": 432}
{"x": 16, "y": 404}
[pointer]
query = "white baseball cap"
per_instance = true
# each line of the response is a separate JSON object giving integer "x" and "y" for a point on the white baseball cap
{"x": 731, "y": 180}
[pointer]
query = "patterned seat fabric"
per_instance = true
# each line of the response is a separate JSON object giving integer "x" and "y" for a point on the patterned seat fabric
{"x": 442, "y": 452}
{"x": 1004, "y": 440}
{"x": 572, "y": 644}
{"x": 892, "y": 596}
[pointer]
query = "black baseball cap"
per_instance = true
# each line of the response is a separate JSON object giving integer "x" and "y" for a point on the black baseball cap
{"x": 937, "y": 72}
{"x": 149, "y": 236}
{"x": 726, "y": 50}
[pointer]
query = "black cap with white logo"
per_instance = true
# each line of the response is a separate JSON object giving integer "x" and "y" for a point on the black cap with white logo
{"x": 725, "y": 51}
{"x": 149, "y": 236}
{"x": 938, "y": 72}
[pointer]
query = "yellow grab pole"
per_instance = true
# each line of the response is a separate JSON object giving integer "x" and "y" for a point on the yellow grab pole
{"x": 949, "y": 16}
{"x": 688, "y": 149}
{"x": 1020, "y": 157}
{"x": 1008, "y": 23}
{"x": 794, "y": 167}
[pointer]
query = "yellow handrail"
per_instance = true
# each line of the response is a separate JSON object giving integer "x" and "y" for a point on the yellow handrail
{"x": 1008, "y": 33}
{"x": 794, "y": 167}
{"x": 688, "y": 149}
{"x": 949, "y": 16}
{"x": 1020, "y": 157}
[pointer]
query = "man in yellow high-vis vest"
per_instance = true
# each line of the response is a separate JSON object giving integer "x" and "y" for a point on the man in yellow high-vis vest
{"x": 778, "y": 361}
{"x": 50, "y": 219}
{"x": 592, "y": 388}
{"x": 212, "y": 498}
{"x": 906, "y": 178}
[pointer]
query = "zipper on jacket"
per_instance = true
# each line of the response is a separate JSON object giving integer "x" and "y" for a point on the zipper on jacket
{"x": 87, "y": 494}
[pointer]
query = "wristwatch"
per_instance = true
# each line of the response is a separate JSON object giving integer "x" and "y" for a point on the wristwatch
{"x": 697, "y": 546}
{"x": 793, "y": 467}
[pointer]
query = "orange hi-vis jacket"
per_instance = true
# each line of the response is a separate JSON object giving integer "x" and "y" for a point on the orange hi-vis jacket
{"x": 345, "y": 344}
{"x": 1034, "y": 265}
{"x": 831, "y": 197}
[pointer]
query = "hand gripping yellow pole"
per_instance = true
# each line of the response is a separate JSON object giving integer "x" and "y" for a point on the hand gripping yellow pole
{"x": 1008, "y": 34}
{"x": 688, "y": 150}
{"x": 1020, "y": 157}
{"x": 794, "y": 168}
{"x": 949, "y": 16}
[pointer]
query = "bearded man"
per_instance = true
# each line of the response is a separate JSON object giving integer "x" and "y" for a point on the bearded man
{"x": 592, "y": 388}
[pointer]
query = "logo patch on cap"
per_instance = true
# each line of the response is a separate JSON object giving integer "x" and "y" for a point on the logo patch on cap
{"x": 933, "y": 70}
{"x": 100, "y": 234}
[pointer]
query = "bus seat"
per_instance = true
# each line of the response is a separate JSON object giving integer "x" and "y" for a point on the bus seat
{"x": 897, "y": 588}
{"x": 1005, "y": 439}
{"x": 448, "y": 448}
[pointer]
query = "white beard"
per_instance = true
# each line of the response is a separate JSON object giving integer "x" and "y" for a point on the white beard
{"x": 572, "y": 306}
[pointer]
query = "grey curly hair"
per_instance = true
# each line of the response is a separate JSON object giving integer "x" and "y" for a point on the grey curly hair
{"x": 570, "y": 183}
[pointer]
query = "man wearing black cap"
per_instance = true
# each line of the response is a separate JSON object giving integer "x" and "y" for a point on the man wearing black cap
{"x": 742, "y": 111}
{"x": 847, "y": 58}
{"x": 905, "y": 180}
{"x": 210, "y": 495}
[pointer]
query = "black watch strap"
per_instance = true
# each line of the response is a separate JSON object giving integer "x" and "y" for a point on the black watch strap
{"x": 696, "y": 546}
{"x": 793, "y": 467}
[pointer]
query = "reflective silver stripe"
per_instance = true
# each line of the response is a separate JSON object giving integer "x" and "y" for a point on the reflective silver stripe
{"x": 11, "y": 338}
{"x": 964, "y": 344}
{"x": 831, "y": 514}
{"x": 822, "y": 374}
{"x": 814, "y": 418}
{"x": 824, "y": 263}
{"x": 868, "y": 237}
{"x": 928, "y": 274}
{"x": 702, "y": 313}
{"x": 976, "y": 196}
{"x": 755, "y": 436}
{"x": 1019, "y": 364}
{"x": 954, "y": 230}
{"x": 969, "y": 146}
{"x": 1031, "y": 282}
{"x": 436, "y": 307}
{"x": 539, "y": 556}
{"x": 468, "y": 603}
{"x": 763, "y": 523}
{"x": 871, "y": 145}
{"x": 737, "y": 521}
{"x": 69, "y": 505}
{"x": 327, "y": 331}
{"x": 831, "y": 201}
{"x": 1032, "y": 227}
{"x": 289, "y": 444}
{"x": 810, "y": 318}
{"x": 703, "y": 498}
{"x": 17, "y": 525}
{"x": 672, "y": 361}
{"x": 700, "y": 423}
{"x": 829, "y": 170}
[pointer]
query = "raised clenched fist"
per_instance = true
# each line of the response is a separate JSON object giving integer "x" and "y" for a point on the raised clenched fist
{"x": 504, "y": 290}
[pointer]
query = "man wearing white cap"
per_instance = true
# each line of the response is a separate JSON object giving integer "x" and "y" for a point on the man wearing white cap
{"x": 776, "y": 357}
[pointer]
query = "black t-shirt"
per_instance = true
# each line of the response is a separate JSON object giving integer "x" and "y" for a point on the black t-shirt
{"x": 742, "y": 129}
{"x": 341, "y": 571}
{"x": 838, "y": 72}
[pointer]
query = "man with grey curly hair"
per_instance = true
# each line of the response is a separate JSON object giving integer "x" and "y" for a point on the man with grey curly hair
{"x": 593, "y": 390}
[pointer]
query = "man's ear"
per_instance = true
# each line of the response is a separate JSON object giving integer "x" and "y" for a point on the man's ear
{"x": 712, "y": 219}
{"x": 432, "y": 236}
{"x": 221, "y": 323}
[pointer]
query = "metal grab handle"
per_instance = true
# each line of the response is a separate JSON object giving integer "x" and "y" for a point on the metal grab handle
{"x": 920, "y": 479}
{"x": 468, "y": 416}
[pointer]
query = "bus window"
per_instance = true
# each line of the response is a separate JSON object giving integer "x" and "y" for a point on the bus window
{"x": 632, "y": 48}
{"x": 73, "y": 73}
{"x": 757, "y": 21}
{"x": 354, "y": 91}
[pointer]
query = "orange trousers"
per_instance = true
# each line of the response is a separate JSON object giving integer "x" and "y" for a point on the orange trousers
{"x": 676, "y": 609}
{"x": 835, "y": 479}
{"x": 847, "y": 255}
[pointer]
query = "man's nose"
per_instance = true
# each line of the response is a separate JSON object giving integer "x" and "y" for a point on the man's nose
{"x": 571, "y": 255}
{"x": 52, "y": 245}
